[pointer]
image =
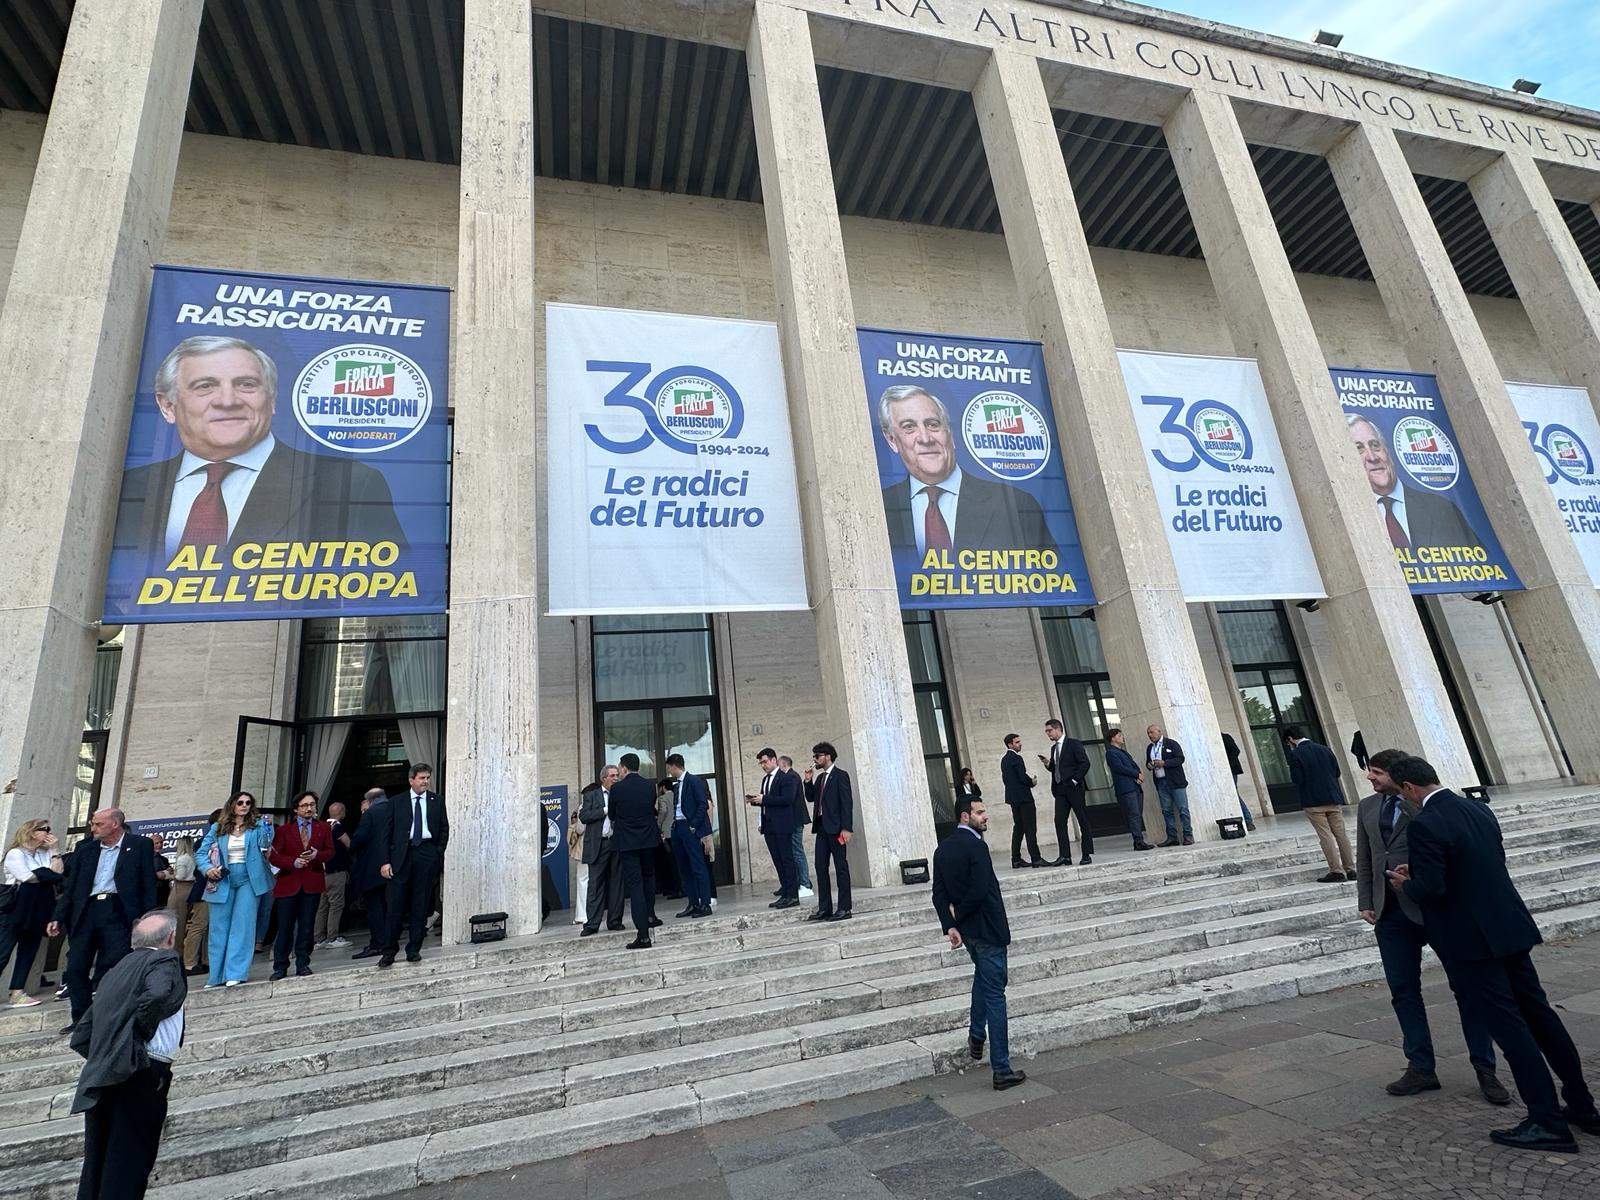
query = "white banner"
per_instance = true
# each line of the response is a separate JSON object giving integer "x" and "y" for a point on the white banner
{"x": 1220, "y": 478}
{"x": 670, "y": 465}
{"x": 1565, "y": 436}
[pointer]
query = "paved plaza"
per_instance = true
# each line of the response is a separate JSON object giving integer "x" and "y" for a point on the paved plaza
{"x": 1284, "y": 1100}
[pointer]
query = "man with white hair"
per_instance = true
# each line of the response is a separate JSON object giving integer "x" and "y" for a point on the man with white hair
{"x": 128, "y": 1039}
{"x": 233, "y": 481}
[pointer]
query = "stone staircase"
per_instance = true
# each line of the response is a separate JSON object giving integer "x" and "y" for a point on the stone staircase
{"x": 360, "y": 1083}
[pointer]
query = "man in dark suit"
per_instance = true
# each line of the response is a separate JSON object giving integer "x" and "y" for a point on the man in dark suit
{"x": 370, "y": 846}
{"x": 966, "y": 897}
{"x": 802, "y": 819}
{"x": 691, "y": 824}
{"x": 939, "y": 506}
{"x": 1412, "y": 516}
{"x": 300, "y": 850}
{"x": 634, "y": 838}
{"x": 1164, "y": 758}
{"x": 1382, "y": 844}
{"x": 1127, "y": 781}
{"x": 1019, "y": 798}
{"x": 1314, "y": 769}
{"x": 110, "y": 883}
{"x": 234, "y": 482}
{"x": 419, "y": 832}
{"x": 832, "y": 825}
{"x": 1483, "y": 933}
{"x": 605, "y": 870}
{"x": 776, "y": 802}
{"x": 1068, "y": 765}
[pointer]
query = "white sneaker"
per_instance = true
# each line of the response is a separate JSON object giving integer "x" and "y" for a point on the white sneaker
{"x": 713, "y": 903}
{"x": 22, "y": 1000}
{"x": 315, "y": 946}
{"x": 337, "y": 943}
{"x": 806, "y": 893}
{"x": 234, "y": 983}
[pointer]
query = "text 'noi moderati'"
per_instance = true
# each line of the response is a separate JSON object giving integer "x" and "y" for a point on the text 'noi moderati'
{"x": 676, "y": 501}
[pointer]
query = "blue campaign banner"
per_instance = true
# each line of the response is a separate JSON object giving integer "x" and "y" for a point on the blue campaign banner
{"x": 970, "y": 465}
{"x": 1407, "y": 451}
{"x": 288, "y": 454}
{"x": 553, "y": 796}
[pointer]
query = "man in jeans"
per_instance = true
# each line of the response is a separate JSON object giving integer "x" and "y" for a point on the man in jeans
{"x": 966, "y": 895}
{"x": 1164, "y": 757}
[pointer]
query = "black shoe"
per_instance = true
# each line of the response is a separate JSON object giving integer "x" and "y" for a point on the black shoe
{"x": 1413, "y": 1083}
{"x": 778, "y": 894}
{"x": 617, "y": 928}
{"x": 1349, "y": 876}
{"x": 194, "y": 970}
{"x": 1085, "y": 860}
{"x": 368, "y": 952}
{"x": 1249, "y": 827}
{"x": 587, "y": 932}
{"x": 639, "y": 943}
{"x": 386, "y": 961}
{"x": 1495, "y": 1092}
{"x": 1058, "y": 862}
{"x": 411, "y": 957}
{"x": 1038, "y": 862}
{"x": 1019, "y": 864}
{"x": 66, "y": 1029}
{"x": 1143, "y": 846}
{"x": 302, "y": 972}
{"x": 787, "y": 902}
{"x": 1589, "y": 1121}
{"x": 1169, "y": 842}
{"x": 701, "y": 912}
{"x": 975, "y": 1047}
{"x": 277, "y": 975}
{"x": 1008, "y": 1079}
{"x": 654, "y": 921}
{"x": 819, "y": 915}
{"x": 689, "y": 912}
{"x": 1187, "y": 840}
{"x": 842, "y": 915}
{"x": 1331, "y": 877}
{"x": 1532, "y": 1136}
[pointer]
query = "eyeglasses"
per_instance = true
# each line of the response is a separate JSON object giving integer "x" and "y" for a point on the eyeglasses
{"x": 42, "y": 829}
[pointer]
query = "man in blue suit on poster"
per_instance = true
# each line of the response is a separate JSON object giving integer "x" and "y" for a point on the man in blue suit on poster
{"x": 691, "y": 822}
{"x": 940, "y": 506}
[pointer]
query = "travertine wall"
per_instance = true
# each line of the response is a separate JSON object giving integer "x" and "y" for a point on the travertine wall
{"x": 254, "y": 206}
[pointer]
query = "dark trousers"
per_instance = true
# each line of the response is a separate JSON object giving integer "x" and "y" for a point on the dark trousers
{"x": 1024, "y": 824}
{"x": 1400, "y": 943}
{"x": 1505, "y": 994}
{"x": 639, "y": 880}
{"x": 988, "y": 1016}
{"x": 692, "y": 866}
{"x": 121, "y": 1134}
{"x": 781, "y": 847}
{"x": 297, "y": 919}
{"x": 666, "y": 869}
{"x": 1071, "y": 800}
{"x": 410, "y": 894}
{"x": 25, "y": 944}
{"x": 377, "y": 902}
{"x": 99, "y": 941}
{"x": 829, "y": 850}
{"x": 605, "y": 889}
{"x": 1133, "y": 813}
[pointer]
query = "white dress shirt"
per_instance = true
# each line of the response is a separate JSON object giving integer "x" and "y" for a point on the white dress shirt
{"x": 105, "y": 870}
{"x": 412, "y": 802}
{"x": 167, "y": 1038}
{"x": 950, "y": 490}
{"x": 236, "y": 487}
{"x": 1158, "y": 749}
{"x": 20, "y": 864}
{"x": 605, "y": 823}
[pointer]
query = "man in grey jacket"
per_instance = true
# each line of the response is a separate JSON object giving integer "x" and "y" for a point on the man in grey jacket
{"x": 605, "y": 869}
{"x": 1381, "y": 844}
{"x": 128, "y": 1037}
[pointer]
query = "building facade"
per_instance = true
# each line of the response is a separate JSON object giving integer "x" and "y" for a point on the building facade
{"x": 1091, "y": 176}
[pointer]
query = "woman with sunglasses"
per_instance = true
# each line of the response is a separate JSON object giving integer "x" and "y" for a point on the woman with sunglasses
{"x": 233, "y": 860}
{"x": 32, "y": 869}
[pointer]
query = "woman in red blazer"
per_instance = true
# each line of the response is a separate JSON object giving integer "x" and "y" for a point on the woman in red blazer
{"x": 300, "y": 852}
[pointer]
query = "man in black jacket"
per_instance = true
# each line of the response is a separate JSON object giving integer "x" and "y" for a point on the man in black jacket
{"x": 419, "y": 833}
{"x": 370, "y": 846}
{"x": 1019, "y": 798}
{"x": 776, "y": 801}
{"x": 832, "y": 824}
{"x": 1068, "y": 765}
{"x": 1164, "y": 757}
{"x": 110, "y": 883}
{"x": 605, "y": 872}
{"x": 128, "y": 1038}
{"x": 1315, "y": 772}
{"x": 966, "y": 897}
{"x": 634, "y": 838}
{"x": 1483, "y": 933}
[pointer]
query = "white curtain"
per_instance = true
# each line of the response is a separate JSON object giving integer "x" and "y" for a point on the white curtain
{"x": 324, "y": 748}
{"x": 416, "y": 677}
{"x": 421, "y": 738}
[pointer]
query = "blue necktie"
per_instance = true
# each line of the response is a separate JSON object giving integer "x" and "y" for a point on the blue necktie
{"x": 1386, "y": 820}
{"x": 416, "y": 820}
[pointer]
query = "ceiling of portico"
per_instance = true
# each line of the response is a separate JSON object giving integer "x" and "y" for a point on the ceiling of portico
{"x": 382, "y": 77}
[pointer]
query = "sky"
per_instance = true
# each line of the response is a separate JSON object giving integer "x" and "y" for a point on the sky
{"x": 1552, "y": 42}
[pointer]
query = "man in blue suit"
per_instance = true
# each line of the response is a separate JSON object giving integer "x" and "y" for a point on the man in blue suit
{"x": 1128, "y": 783}
{"x": 776, "y": 800}
{"x": 833, "y": 816}
{"x": 691, "y": 821}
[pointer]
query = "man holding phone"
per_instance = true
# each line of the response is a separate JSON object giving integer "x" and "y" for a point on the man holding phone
{"x": 831, "y": 823}
{"x": 776, "y": 800}
{"x": 300, "y": 850}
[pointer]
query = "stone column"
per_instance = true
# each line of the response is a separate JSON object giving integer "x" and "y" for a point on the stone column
{"x": 1149, "y": 642}
{"x": 1558, "y": 613}
{"x": 492, "y": 728}
{"x": 1383, "y": 653}
{"x": 866, "y": 676}
{"x": 1553, "y": 282}
{"x": 69, "y": 352}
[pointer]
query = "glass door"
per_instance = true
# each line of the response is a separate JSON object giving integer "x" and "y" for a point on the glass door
{"x": 263, "y": 763}
{"x": 1275, "y": 698}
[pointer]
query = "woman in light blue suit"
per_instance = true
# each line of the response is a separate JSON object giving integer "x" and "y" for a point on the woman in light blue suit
{"x": 233, "y": 858}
